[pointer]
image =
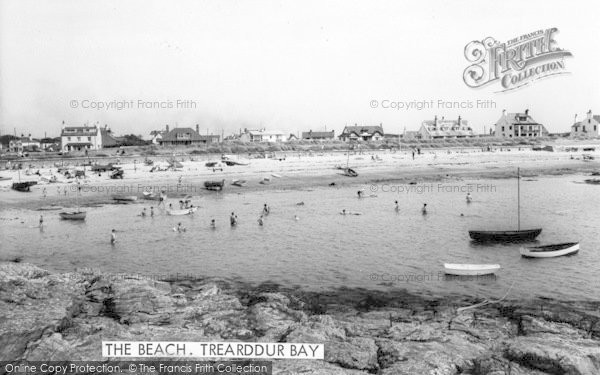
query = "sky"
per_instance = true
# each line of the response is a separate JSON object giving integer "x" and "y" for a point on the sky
{"x": 282, "y": 65}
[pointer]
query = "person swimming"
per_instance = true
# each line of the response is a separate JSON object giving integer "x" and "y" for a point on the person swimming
{"x": 180, "y": 228}
{"x": 469, "y": 198}
{"x": 144, "y": 212}
{"x": 260, "y": 220}
{"x": 424, "y": 209}
{"x": 359, "y": 193}
{"x": 296, "y": 217}
{"x": 213, "y": 224}
{"x": 343, "y": 212}
{"x": 113, "y": 237}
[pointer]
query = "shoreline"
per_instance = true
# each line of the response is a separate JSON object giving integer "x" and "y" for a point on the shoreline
{"x": 297, "y": 174}
{"x": 66, "y": 316}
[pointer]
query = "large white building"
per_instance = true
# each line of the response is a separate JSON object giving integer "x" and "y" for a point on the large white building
{"x": 445, "y": 129}
{"x": 519, "y": 125}
{"x": 79, "y": 138}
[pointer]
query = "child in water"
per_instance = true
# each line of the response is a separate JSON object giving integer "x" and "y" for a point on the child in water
{"x": 113, "y": 237}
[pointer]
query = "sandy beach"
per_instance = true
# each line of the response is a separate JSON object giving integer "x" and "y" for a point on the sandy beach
{"x": 286, "y": 171}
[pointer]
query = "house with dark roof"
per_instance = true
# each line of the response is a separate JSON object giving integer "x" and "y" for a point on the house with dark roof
{"x": 362, "y": 133}
{"x": 587, "y": 127}
{"x": 445, "y": 129}
{"x": 186, "y": 137}
{"x": 318, "y": 136}
{"x": 519, "y": 125}
{"x": 78, "y": 138}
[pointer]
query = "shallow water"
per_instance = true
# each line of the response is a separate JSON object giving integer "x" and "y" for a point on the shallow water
{"x": 379, "y": 249}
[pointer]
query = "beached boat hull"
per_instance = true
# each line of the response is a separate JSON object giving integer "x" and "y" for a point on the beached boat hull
{"x": 214, "y": 185}
{"x": 349, "y": 172}
{"x": 239, "y": 183}
{"x": 470, "y": 269}
{"x": 77, "y": 215}
{"x": 150, "y": 196}
{"x": 550, "y": 251}
{"x": 23, "y": 186}
{"x": 505, "y": 235}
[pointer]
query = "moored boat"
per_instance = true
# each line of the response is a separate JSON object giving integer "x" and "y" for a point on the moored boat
{"x": 592, "y": 181}
{"x": 508, "y": 236}
{"x": 214, "y": 185}
{"x": 505, "y": 235}
{"x": 5, "y": 178}
{"x": 239, "y": 183}
{"x": 125, "y": 198}
{"x": 550, "y": 251}
{"x": 470, "y": 269}
{"x": 72, "y": 215}
{"x": 185, "y": 211}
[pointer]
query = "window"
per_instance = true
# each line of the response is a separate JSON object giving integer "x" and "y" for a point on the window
{"x": 69, "y": 139}
{"x": 510, "y": 127}
{"x": 503, "y": 128}
{"x": 89, "y": 139}
{"x": 583, "y": 128}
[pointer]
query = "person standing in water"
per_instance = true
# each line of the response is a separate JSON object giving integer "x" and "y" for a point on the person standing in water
{"x": 113, "y": 237}
{"x": 41, "y": 221}
{"x": 151, "y": 211}
{"x": 233, "y": 219}
{"x": 424, "y": 209}
{"x": 397, "y": 208}
{"x": 260, "y": 220}
{"x": 213, "y": 225}
{"x": 266, "y": 209}
{"x": 359, "y": 193}
{"x": 144, "y": 212}
{"x": 469, "y": 198}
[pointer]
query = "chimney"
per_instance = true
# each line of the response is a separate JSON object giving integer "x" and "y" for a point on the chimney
{"x": 589, "y": 115}
{"x": 197, "y": 128}
{"x": 459, "y": 120}
{"x": 504, "y": 113}
{"x": 167, "y": 128}
{"x": 527, "y": 112}
{"x": 575, "y": 120}
{"x": 435, "y": 120}
{"x": 442, "y": 118}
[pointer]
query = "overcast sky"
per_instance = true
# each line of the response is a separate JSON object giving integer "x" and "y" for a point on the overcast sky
{"x": 284, "y": 65}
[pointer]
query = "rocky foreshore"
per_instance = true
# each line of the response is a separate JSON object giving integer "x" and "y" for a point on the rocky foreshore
{"x": 45, "y": 316}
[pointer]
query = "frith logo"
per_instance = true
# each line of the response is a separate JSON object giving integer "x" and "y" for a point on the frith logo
{"x": 516, "y": 63}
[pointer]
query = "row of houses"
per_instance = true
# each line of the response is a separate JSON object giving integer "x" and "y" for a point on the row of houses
{"x": 509, "y": 125}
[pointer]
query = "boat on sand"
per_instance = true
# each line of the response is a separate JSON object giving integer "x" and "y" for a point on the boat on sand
{"x": 214, "y": 185}
{"x": 550, "y": 251}
{"x": 470, "y": 269}
{"x": 125, "y": 198}
{"x": 239, "y": 183}
{"x": 72, "y": 215}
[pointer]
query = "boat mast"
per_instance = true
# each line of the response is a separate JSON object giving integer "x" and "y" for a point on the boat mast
{"x": 519, "y": 198}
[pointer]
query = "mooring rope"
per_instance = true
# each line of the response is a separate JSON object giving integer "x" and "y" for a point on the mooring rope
{"x": 486, "y": 302}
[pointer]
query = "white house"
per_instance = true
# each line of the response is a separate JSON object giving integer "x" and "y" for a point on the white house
{"x": 519, "y": 125}
{"x": 262, "y": 135}
{"x": 78, "y": 138}
{"x": 586, "y": 128}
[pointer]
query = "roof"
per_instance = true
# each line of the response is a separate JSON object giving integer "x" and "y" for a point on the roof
{"x": 312, "y": 134}
{"x": 515, "y": 118}
{"x": 85, "y": 131}
{"x": 362, "y": 129}
{"x": 172, "y": 135}
{"x": 264, "y": 132}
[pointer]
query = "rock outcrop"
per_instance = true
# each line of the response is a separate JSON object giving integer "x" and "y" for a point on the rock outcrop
{"x": 46, "y": 316}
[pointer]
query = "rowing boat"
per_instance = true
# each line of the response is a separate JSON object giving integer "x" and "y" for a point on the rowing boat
{"x": 185, "y": 211}
{"x": 214, "y": 185}
{"x": 238, "y": 183}
{"x": 470, "y": 269}
{"x": 125, "y": 198}
{"x": 550, "y": 251}
{"x": 72, "y": 215}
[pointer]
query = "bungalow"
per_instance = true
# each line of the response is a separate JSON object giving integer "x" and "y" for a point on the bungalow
{"x": 262, "y": 135}
{"x": 587, "y": 127}
{"x": 186, "y": 137}
{"x": 292, "y": 138}
{"x": 15, "y": 145}
{"x": 156, "y": 136}
{"x": 77, "y": 138}
{"x": 364, "y": 133}
{"x": 518, "y": 125}
{"x": 318, "y": 136}
{"x": 445, "y": 129}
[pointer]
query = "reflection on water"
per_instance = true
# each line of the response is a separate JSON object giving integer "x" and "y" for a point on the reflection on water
{"x": 379, "y": 249}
